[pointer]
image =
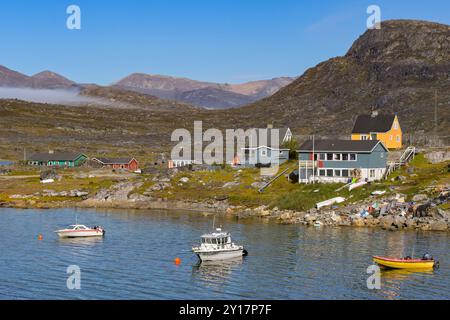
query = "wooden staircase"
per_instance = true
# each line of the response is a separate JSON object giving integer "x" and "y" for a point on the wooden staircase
{"x": 405, "y": 158}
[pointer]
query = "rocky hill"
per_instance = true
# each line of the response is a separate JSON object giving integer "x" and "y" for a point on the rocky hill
{"x": 396, "y": 69}
{"x": 50, "y": 80}
{"x": 41, "y": 80}
{"x": 11, "y": 78}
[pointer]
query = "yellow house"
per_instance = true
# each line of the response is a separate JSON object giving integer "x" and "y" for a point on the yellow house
{"x": 383, "y": 127}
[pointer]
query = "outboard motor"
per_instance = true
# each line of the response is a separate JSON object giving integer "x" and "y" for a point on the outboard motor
{"x": 427, "y": 256}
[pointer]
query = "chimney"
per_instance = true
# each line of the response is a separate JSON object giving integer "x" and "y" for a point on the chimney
{"x": 270, "y": 126}
{"x": 374, "y": 113}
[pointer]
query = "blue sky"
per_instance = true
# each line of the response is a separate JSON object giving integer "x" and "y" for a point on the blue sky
{"x": 213, "y": 40}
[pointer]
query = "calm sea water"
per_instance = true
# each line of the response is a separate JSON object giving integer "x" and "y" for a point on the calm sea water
{"x": 135, "y": 259}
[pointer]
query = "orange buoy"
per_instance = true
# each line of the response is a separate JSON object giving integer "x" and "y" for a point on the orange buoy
{"x": 177, "y": 261}
{"x": 40, "y": 237}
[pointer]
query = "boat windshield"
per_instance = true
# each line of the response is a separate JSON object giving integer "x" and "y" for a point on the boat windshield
{"x": 220, "y": 241}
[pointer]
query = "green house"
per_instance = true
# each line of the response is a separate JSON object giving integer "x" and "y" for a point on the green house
{"x": 57, "y": 159}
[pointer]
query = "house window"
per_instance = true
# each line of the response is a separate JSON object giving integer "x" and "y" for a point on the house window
{"x": 322, "y": 156}
{"x": 372, "y": 173}
{"x": 364, "y": 137}
{"x": 329, "y": 156}
{"x": 329, "y": 173}
{"x": 345, "y": 173}
{"x": 390, "y": 137}
{"x": 398, "y": 138}
{"x": 263, "y": 152}
{"x": 395, "y": 125}
{"x": 337, "y": 157}
{"x": 322, "y": 172}
{"x": 352, "y": 156}
{"x": 382, "y": 155}
{"x": 345, "y": 156}
{"x": 337, "y": 173}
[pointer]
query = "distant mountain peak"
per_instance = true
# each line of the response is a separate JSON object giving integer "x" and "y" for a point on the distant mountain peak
{"x": 210, "y": 94}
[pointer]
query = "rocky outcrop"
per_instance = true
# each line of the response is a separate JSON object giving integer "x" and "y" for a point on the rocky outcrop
{"x": 438, "y": 156}
{"x": 394, "y": 70}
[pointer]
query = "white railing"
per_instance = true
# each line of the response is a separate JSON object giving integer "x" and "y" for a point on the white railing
{"x": 406, "y": 157}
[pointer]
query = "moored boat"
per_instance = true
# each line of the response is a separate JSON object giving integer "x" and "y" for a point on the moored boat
{"x": 406, "y": 263}
{"x": 218, "y": 246}
{"x": 79, "y": 231}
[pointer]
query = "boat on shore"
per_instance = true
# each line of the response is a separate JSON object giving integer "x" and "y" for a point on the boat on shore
{"x": 218, "y": 246}
{"x": 80, "y": 231}
{"x": 425, "y": 263}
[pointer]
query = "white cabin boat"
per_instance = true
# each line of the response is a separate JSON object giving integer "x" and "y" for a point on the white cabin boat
{"x": 79, "y": 231}
{"x": 218, "y": 246}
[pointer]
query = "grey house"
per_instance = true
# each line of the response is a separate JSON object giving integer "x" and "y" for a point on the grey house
{"x": 264, "y": 151}
{"x": 342, "y": 160}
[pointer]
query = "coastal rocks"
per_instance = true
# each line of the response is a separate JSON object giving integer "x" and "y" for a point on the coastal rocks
{"x": 358, "y": 222}
{"x": 118, "y": 192}
{"x": 386, "y": 222}
{"x": 438, "y": 156}
{"x": 438, "y": 225}
{"x": 20, "y": 196}
{"x": 399, "y": 222}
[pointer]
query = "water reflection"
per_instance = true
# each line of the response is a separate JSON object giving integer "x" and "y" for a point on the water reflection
{"x": 216, "y": 272}
{"x": 394, "y": 280}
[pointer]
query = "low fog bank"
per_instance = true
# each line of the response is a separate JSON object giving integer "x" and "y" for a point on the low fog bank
{"x": 51, "y": 96}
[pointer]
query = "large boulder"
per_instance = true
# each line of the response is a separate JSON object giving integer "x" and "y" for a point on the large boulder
{"x": 438, "y": 225}
{"x": 358, "y": 222}
{"x": 386, "y": 222}
{"x": 420, "y": 197}
{"x": 399, "y": 222}
{"x": 50, "y": 174}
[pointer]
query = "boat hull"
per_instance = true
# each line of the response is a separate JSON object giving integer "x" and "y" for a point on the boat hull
{"x": 404, "y": 264}
{"x": 220, "y": 255}
{"x": 80, "y": 234}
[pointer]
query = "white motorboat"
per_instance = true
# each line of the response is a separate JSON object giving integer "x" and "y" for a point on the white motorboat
{"x": 218, "y": 246}
{"x": 79, "y": 231}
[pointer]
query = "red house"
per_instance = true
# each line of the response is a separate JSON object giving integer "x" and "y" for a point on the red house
{"x": 130, "y": 164}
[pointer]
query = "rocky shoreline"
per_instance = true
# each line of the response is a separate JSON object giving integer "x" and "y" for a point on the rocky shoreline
{"x": 396, "y": 215}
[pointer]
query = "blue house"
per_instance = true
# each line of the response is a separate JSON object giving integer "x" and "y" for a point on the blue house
{"x": 264, "y": 151}
{"x": 342, "y": 160}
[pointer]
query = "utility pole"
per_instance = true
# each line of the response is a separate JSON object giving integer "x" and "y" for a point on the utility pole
{"x": 435, "y": 112}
